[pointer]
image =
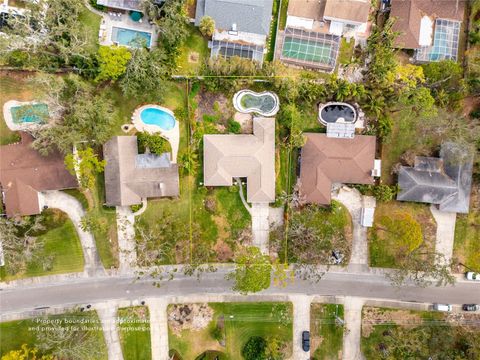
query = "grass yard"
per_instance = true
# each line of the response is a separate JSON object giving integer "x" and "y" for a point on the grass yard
{"x": 105, "y": 237}
{"x": 405, "y": 334}
{"x": 60, "y": 241}
{"x": 326, "y": 333}
{"x": 193, "y": 53}
{"x": 91, "y": 23}
{"x": 283, "y": 14}
{"x": 466, "y": 248}
{"x": 346, "y": 51}
{"x": 382, "y": 244}
{"x": 241, "y": 321}
{"x": 134, "y": 329}
{"x": 16, "y": 333}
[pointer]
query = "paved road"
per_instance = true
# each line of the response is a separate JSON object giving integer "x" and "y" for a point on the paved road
{"x": 81, "y": 291}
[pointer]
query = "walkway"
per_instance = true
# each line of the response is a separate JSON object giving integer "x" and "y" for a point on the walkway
{"x": 353, "y": 329}
{"x": 158, "y": 328}
{"x": 126, "y": 239}
{"x": 260, "y": 226}
{"x": 301, "y": 322}
{"x": 445, "y": 232}
{"x": 352, "y": 199}
{"x": 72, "y": 207}
{"x": 108, "y": 315}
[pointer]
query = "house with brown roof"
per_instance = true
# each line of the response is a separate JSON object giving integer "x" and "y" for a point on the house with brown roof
{"x": 24, "y": 173}
{"x": 131, "y": 177}
{"x": 243, "y": 156}
{"x": 431, "y": 27}
{"x": 325, "y": 161}
{"x": 314, "y": 29}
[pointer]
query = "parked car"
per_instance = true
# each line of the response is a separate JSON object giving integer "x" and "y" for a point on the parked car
{"x": 442, "y": 307}
{"x": 474, "y": 276}
{"x": 470, "y": 307}
{"x": 306, "y": 341}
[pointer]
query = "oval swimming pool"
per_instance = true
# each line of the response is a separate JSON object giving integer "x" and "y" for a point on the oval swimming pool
{"x": 158, "y": 117}
{"x": 337, "y": 112}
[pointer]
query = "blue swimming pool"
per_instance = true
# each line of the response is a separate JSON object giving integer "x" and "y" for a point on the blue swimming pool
{"x": 158, "y": 117}
{"x": 36, "y": 113}
{"x": 132, "y": 38}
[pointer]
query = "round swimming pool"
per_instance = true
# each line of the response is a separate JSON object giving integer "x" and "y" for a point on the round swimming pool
{"x": 337, "y": 112}
{"x": 159, "y": 117}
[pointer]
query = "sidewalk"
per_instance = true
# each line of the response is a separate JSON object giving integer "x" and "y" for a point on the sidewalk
{"x": 158, "y": 328}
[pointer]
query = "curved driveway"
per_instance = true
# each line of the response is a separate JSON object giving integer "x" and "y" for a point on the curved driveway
{"x": 92, "y": 290}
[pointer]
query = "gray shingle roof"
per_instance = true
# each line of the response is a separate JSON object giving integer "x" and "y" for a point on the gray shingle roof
{"x": 251, "y": 16}
{"x": 130, "y": 177}
{"x": 445, "y": 181}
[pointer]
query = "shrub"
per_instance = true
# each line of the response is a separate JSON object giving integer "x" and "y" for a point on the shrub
{"x": 254, "y": 348}
{"x": 475, "y": 113}
{"x": 384, "y": 193}
{"x": 217, "y": 333}
{"x": 207, "y": 26}
{"x": 155, "y": 143}
{"x": 17, "y": 58}
{"x": 234, "y": 126}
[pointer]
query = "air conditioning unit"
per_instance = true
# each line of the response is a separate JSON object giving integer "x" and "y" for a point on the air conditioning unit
{"x": 377, "y": 168}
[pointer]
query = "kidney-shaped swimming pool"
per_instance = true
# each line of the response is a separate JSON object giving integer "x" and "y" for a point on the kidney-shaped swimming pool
{"x": 159, "y": 117}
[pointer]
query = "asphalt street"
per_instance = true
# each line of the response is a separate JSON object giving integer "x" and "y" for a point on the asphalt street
{"x": 83, "y": 291}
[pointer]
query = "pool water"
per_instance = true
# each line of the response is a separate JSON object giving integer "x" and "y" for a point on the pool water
{"x": 332, "y": 113}
{"x": 265, "y": 103}
{"x": 158, "y": 117}
{"x": 36, "y": 113}
{"x": 131, "y": 38}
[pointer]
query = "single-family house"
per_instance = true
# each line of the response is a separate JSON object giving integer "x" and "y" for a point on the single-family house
{"x": 430, "y": 27}
{"x": 250, "y": 156}
{"x": 325, "y": 161}
{"x": 445, "y": 181}
{"x": 241, "y": 26}
{"x": 314, "y": 29}
{"x": 24, "y": 173}
{"x": 131, "y": 177}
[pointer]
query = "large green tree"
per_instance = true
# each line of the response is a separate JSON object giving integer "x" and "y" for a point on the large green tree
{"x": 252, "y": 271}
{"x": 112, "y": 62}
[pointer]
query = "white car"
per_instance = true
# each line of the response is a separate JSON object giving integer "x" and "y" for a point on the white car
{"x": 474, "y": 276}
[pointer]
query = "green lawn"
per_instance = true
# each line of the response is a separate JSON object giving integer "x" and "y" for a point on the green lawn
{"x": 466, "y": 249}
{"x": 382, "y": 244}
{"x": 241, "y": 321}
{"x": 16, "y": 333}
{"x": 326, "y": 331}
{"x": 193, "y": 53}
{"x": 134, "y": 329}
{"x": 105, "y": 238}
{"x": 346, "y": 51}
{"x": 60, "y": 241}
{"x": 91, "y": 23}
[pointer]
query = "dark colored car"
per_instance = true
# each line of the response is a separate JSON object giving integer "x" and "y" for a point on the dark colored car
{"x": 306, "y": 341}
{"x": 470, "y": 307}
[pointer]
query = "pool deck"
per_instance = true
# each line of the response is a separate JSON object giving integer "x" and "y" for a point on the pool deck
{"x": 172, "y": 135}
{"x": 123, "y": 21}
{"x": 7, "y": 115}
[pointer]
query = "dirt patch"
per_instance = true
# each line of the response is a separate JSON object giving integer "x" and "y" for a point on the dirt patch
{"x": 468, "y": 320}
{"x": 374, "y": 316}
{"x": 245, "y": 121}
{"x": 223, "y": 228}
{"x": 193, "y": 317}
{"x": 470, "y": 103}
{"x": 193, "y": 57}
{"x": 223, "y": 251}
{"x": 213, "y": 104}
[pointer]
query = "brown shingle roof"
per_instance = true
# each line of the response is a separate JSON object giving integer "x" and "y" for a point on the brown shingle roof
{"x": 130, "y": 177}
{"x": 309, "y": 9}
{"x": 351, "y": 10}
{"x": 328, "y": 160}
{"x": 410, "y": 12}
{"x": 250, "y": 156}
{"x": 24, "y": 172}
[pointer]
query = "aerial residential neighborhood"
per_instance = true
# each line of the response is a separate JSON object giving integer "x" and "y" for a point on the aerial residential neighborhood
{"x": 239, "y": 179}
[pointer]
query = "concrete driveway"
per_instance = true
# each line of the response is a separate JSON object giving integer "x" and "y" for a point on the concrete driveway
{"x": 445, "y": 232}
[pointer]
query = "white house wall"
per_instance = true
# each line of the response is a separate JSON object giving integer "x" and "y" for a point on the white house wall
{"x": 250, "y": 38}
{"x": 299, "y": 22}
